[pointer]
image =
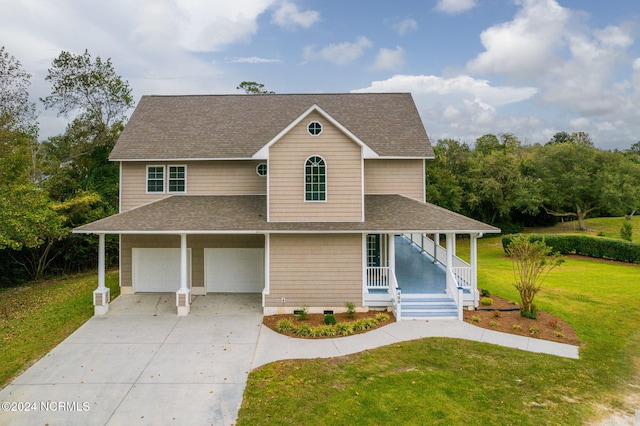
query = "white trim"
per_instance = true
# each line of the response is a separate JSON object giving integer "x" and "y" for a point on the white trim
{"x": 424, "y": 181}
{"x": 185, "y": 178}
{"x": 304, "y": 181}
{"x": 293, "y": 231}
{"x": 266, "y": 172}
{"x": 263, "y": 152}
{"x": 120, "y": 187}
{"x": 268, "y": 191}
{"x": 267, "y": 267}
{"x": 364, "y": 268}
{"x": 321, "y": 128}
{"x": 251, "y": 158}
{"x": 362, "y": 186}
{"x": 164, "y": 181}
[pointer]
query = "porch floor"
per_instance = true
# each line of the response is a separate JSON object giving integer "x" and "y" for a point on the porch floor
{"x": 415, "y": 271}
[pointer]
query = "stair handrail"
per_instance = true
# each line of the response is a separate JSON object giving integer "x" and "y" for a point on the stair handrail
{"x": 456, "y": 291}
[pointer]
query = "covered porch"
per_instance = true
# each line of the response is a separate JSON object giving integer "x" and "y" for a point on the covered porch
{"x": 418, "y": 277}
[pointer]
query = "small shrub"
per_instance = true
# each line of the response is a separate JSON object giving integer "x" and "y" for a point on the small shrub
{"x": 486, "y": 301}
{"x": 531, "y": 315}
{"x": 351, "y": 309}
{"x": 534, "y": 330}
{"x": 358, "y": 325}
{"x": 344, "y": 328}
{"x": 553, "y": 322}
{"x": 626, "y": 231}
{"x": 484, "y": 292}
{"x": 497, "y": 314}
{"x": 600, "y": 234}
{"x": 303, "y": 330}
{"x": 329, "y": 319}
{"x": 559, "y": 335}
{"x": 284, "y": 326}
{"x": 324, "y": 330}
{"x": 494, "y": 324}
{"x": 516, "y": 327}
{"x": 382, "y": 317}
{"x": 303, "y": 313}
{"x": 475, "y": 318}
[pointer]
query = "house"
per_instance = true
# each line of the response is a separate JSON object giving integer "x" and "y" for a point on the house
{"x": 304, "y": 198}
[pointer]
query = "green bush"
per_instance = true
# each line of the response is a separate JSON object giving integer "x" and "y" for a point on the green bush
{"x": 284, "y": 326}
{"x": 344, "y": 328}
{"x": 586, "y": 245}
{"x": 304, "y": 330}
{"x": 626, "y": 231}
{"x": 329, "y": 319}
{"x": 486, "y": 301}
{"x": 382, "y": 317}
{"x": 351, "y": 309}
{"x": 324, "y": 330}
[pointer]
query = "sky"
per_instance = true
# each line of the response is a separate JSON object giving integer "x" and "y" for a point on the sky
{"x": 527, "y": 67}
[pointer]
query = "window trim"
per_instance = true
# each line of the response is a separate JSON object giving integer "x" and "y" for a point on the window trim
{"x": 304, "y": 183}
{"x": 319, "y": 124}
{"x": 168, "y": 179}
{"x": 164, "y": 169}
{"x": 165, "y": 179}
{"x": 266, "y": 169}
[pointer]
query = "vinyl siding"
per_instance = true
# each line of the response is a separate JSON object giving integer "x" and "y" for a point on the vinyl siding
{"x": 404, "y": 177}
{"x": 287, "y": 159}
{"x": 197, "y": 243}
{"x": 323, "y": 270}
{"x": 203, "y": 178}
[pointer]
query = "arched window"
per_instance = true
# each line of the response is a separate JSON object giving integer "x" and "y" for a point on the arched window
{"x": 315, "y": 179}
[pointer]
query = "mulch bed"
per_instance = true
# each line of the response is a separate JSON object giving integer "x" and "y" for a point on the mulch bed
{"x": 549, "y": 326}
{"x": 315, "y": 320}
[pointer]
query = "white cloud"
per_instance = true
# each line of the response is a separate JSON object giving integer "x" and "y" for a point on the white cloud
{"x": 579, "y": 123}
{"x": 455, "y": 6}
{"x": 462, "y": 87}
{"x": 389, "y": 59}
{"x": 339, "y": 54}
{"x": 405, "y": 26}
{"x": 288, "y": 15}
{"x": 525, "y": 46}
{"x": 252, "y": 60}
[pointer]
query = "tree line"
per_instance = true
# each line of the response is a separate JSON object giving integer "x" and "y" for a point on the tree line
{"x": 502, "y": 182}
{"x": 49, "y": 187}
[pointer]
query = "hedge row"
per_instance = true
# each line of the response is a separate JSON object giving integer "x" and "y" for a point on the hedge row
{"x": 585, "y": 245}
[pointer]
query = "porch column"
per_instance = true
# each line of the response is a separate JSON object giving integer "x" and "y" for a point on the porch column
{"x": 473, "y": 257}
{"x": 101, "y": 295}
{"x": 392, "y": 252}
{"x": 436, "y": 243}
{"x": 449, "y": 265}
{"x": 183, "y": 296}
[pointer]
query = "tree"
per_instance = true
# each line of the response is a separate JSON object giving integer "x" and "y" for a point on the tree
{"x": 571, "y": 178}
{"x": 253, "y": 88}
{"x": 90, "y": 88}
{"x": 532, "y": 262}
{"x": 576, "y": 138}
{"x": 17, "y": 112}
{"x": 77, "y": 161}
{"x": 28, "y": 220}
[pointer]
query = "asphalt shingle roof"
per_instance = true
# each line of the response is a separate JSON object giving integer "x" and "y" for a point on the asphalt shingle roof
{"x": 237, "y": 126}
{"x": 247, "y": 213}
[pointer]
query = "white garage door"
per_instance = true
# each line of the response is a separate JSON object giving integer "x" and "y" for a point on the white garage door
{"x": 158, "y": 269}
{"x": 234, "y": 270}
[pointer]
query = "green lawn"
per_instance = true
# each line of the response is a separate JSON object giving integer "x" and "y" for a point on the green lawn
{"x": 449, "y": 381}
{"x": 35, "y": 318}
{"x": 609, "y": 226}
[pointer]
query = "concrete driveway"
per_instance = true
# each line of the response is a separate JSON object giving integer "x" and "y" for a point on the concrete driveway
{"x": 142, "y": 364}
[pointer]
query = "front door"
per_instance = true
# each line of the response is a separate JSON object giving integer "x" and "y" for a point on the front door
{"x": 373, "y": 250}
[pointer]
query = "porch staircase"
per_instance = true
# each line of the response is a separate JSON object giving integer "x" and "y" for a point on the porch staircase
{"x": 428, "y": 306}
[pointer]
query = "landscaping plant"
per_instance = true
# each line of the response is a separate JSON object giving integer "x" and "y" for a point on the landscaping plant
{"x": 532, "y": 261}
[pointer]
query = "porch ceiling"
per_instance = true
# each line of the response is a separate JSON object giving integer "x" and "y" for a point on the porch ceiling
{"x": 248, "y": 214}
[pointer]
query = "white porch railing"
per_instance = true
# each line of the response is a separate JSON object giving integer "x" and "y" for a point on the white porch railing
{"x": 462, "y": 275}
{"x": 384, "y": 278}
{"x": 456, "y": 292}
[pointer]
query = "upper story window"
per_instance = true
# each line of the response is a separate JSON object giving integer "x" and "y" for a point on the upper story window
{"x": 314, "y": 128}
{"x": 177, "y": 178}
{"x": 261, "y": 169}
{"x": 315, "y": 179}
{"x": 155, "y": 179}
{"x": 159, "y": 182}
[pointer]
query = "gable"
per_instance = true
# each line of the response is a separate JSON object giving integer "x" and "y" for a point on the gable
{"x": 238, "y": 126}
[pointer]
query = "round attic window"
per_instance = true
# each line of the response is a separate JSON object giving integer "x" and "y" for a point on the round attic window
{"x": 314, "y": 128}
